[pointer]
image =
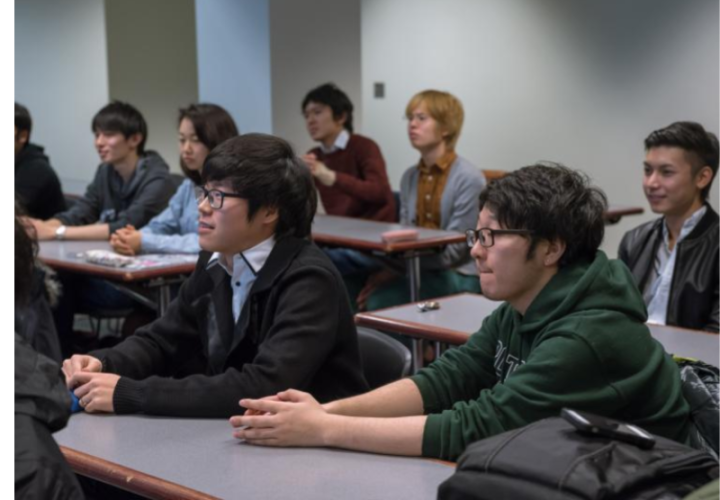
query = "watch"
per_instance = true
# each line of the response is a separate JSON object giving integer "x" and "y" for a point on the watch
{"x": 60, "y": 233}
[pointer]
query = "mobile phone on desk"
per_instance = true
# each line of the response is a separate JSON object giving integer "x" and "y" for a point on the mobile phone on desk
{"x": 596, "y": 425}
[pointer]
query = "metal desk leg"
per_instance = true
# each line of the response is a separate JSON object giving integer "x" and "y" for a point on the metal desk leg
{"x": 163, "y": 299}
{"x": 417, "y": 354}
{"x": 134, "y": 295}
{"x": 413, "y": 266}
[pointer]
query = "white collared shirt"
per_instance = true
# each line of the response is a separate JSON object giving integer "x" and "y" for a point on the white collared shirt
{"x": 341, "y": 142}
{"x": 245, "y": 268}
{"x": 657, "y": 290}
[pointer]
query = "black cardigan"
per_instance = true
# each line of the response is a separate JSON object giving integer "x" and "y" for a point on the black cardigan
{"x": 295, "y": 330}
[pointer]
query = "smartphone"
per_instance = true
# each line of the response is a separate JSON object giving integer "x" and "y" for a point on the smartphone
{"x": 596, "y": 425}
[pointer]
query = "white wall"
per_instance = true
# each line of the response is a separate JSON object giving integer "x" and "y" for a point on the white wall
{"x": 312, "y": 42}
{"x": 233, "y": 47}
{"x": 578, "y": 82}
{"x": 152, "y": 64}
{"x": 61, "y": 76}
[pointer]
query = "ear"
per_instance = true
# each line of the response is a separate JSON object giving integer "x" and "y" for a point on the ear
{"x": 342, "y": 119}
{"x": 703, "y": 177}
{"x": 22, "y": 137}
{"x": 554, "y": 252}
{"x": 270, "y": 215}
{"x": 135, "y": 140}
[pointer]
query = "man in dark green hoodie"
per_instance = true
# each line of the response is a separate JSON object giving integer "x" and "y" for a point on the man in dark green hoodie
{"x": 571, "y": 333}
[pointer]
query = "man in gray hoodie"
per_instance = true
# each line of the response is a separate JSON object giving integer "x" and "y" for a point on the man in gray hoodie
{"x": 130, "y": 187}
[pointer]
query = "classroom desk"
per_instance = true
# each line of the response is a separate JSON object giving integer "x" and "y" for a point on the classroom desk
{"x": 614, "y": 213}
{"x": 365, "y": 235}
{"x": 461, "y": 315}
{"x": 360, "y": 234}
{"x": 63, "y": 256}
{"x": 199, "y": 459}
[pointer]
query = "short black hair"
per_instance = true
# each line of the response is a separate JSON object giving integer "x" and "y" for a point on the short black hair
{"x": 700, "y": 146}
{"x": 213, "y": 126}
{"x": 555, "y": 203}
{"x": 265, "y": 170}
{"x": 23, "y": 121}
{"x": 25, "y": 251}
{"x": 330, "y": 94}
{"x": 124, "y": 118}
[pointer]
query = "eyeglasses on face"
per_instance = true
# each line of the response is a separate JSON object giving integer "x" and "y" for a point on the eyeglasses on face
{"x": 214, "y": 196}
{"x": 486, "y": 236}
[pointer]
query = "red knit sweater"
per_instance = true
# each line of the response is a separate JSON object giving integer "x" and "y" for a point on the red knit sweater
{"x": 362, "y": 188}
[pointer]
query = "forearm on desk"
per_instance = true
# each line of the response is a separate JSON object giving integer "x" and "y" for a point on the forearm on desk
{"x": 89, "y": 232}
{"x": 392, "y": 436}
{"x": 399, "y": 399}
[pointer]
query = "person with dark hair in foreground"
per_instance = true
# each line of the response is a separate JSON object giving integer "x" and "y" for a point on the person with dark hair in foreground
{"x": 42, "y": 402}
{"x": 674, "y": 259}
{"x": 264, "y": 309}
{"x": 36, "y": 291}
{"x": 570, "y": 333}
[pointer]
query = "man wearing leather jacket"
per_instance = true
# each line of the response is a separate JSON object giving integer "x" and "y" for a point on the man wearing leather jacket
{"x": 674, "y": 259}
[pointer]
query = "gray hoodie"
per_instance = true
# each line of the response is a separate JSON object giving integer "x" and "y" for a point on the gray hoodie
{"x": 111, "y": 201}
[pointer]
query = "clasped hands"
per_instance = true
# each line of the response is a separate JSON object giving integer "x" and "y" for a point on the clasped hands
{"x": 94, "y": 389}
{"x": 126, "y": 240}
{"x": 319, "y": 170}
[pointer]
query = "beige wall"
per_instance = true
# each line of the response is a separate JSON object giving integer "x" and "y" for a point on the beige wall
{"x": 152, "y": 64}
{"x": 312, "y": 42}
{"x": 61, "y": 76}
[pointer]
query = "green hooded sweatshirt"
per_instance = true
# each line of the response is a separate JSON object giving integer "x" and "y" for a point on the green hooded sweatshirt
{"x": 582, "y": 344}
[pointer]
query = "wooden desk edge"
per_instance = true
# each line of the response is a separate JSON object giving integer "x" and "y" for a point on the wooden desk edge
{"x": 129, "y": 479}
{"x": 413, "y": 329}
{"x": 395, "y": 247}
{"x": 118, "y": 274}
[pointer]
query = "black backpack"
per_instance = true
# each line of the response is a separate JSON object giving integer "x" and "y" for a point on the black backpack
{"x": 550, "y": 459}
{"x": 700, "y": 389}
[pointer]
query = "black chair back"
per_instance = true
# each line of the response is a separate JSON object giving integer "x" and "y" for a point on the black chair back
{"x": 384, "y": 359}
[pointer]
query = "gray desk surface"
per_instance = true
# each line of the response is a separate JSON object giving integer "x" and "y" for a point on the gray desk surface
{"x": 458, "y": 316}
{"x": 461, "y": 315}
{"x": 63, "y": 255}
{"x": 203, "y": 455}
{"x": 366, "y": 235}
{"x": 688, "y": 343}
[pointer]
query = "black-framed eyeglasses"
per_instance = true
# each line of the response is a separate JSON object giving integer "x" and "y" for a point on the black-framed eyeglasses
{"x": 486, "y": 236}
{"x": 214, "y": 196}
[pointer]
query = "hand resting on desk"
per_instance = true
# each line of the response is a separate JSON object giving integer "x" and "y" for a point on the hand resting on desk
{"x": 95, "y": 390}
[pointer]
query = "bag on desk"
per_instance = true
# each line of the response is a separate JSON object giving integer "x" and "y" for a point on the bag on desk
{"x": 549, "y": 459}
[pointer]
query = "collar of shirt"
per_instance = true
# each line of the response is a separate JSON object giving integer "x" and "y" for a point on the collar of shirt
{"x": 443, "y": 163}
{"x": 245, "y": 268}
{"x": 687, "y": 227}
{"x": 252, "y": 259}
{"x": 341, "y": 142}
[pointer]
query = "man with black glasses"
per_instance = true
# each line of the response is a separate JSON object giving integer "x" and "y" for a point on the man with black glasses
{"x": 264, "y": 310}
{"x": 571, "y": 333}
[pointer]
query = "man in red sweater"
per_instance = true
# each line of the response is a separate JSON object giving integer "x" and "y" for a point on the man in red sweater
{"x": 348, "y": 168}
